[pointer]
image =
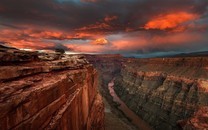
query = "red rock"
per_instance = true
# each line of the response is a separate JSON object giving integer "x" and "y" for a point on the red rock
{"x": 56, "y": 94}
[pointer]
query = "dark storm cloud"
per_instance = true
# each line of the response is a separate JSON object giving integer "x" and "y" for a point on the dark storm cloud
{"x": 10, "y": 26}
{"x": 65, "y": 15}
{"x": 128, "y": 25}
{"x": 73, "y": 14}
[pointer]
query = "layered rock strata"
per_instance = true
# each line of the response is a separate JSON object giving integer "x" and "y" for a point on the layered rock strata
{"x": 168, "y": 93}
{"x": 48, "y": 91}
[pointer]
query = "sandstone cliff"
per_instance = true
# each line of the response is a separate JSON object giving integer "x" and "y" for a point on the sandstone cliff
{"x": 48, "y": 91}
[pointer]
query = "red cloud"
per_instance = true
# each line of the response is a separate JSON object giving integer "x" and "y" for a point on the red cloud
{"x": 170, "y": 21}
{"x": 31, "y": 39}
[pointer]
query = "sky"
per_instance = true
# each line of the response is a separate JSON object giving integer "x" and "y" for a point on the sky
{"x": 129, "y": 27}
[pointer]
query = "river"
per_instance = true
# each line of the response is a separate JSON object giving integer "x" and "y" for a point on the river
{"x": 137, "y": 121}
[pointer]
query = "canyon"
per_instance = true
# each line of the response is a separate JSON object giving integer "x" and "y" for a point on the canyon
{"x": 164, "y": 92}
{"x": 167, "y": 93}
{"x": 96, "y": 92}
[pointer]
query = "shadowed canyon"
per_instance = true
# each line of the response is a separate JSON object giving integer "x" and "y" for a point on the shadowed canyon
{"x": 97, "y": 92}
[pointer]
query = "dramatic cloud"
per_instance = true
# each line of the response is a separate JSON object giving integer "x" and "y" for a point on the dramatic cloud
{"x": 106, "y": 26}
{"x": 170, "y": 21}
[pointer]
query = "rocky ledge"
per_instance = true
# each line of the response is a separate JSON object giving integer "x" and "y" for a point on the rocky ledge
{"x": 48, "y": 91}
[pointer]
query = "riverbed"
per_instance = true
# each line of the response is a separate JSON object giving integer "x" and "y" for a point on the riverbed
{"x": 137, "y": 121}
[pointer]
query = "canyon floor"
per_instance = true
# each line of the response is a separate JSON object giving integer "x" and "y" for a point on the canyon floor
{"x": 111, "y": 119}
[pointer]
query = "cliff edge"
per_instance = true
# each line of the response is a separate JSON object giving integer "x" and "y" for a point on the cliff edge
{"x": 48, "y": 91}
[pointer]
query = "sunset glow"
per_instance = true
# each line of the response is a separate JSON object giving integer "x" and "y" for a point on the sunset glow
{"x": 170, "y": 21}
{"x": 105, "y": 26}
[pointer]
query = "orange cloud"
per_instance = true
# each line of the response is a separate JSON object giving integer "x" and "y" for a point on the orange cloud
{"x": 49, "y": 34}
{"x": 170, "y": 21}
{"x": 100, "y": 41}
{"x": 29, "y": 38}
{"x": 32, "y": 38}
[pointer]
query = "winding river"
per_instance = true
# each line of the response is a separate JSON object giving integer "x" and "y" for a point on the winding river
{"x": 128, "y": 113}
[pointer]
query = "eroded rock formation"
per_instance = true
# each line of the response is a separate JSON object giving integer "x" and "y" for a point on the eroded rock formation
{"x": 165, "y": 91}
{"x": 48, "y": 91}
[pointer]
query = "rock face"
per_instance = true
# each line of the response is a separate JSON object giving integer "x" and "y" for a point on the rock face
{"x": 166, "y": 92}
{"x": 48, "y": 91}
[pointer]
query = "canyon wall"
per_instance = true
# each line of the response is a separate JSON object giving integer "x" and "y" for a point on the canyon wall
{"x": 168, "y": 93}
{"x": 48, "y": 91}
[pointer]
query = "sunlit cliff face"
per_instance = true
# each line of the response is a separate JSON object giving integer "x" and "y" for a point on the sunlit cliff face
{"x": 106, "y": 26}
